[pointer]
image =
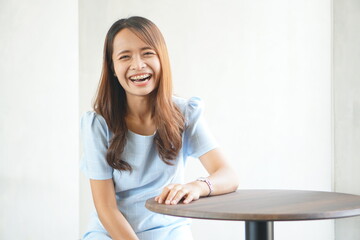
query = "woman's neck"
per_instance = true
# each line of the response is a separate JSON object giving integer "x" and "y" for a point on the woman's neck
{"x": 139, "y": 108}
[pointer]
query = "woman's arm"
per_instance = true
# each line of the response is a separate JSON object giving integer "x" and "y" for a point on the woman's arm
{"x": 105, "y": 203}
{"x": 222, "y": 177}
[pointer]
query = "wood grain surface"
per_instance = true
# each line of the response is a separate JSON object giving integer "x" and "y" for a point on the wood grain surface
{"x": 266, "y": 205}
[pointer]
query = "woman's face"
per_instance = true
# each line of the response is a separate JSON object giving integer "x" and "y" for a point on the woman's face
{"x": 136, "y": 64}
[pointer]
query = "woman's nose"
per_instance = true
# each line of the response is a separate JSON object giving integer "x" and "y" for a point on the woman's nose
{"x": 137, "y": 63}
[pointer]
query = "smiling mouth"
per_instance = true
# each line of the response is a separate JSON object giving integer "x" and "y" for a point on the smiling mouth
{"x": 140, "y": 78}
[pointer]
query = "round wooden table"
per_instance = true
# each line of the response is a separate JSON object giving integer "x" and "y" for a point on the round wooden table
{"x": 260, "y": 208}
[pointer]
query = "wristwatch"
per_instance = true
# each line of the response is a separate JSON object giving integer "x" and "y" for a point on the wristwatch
{"x": 207, "y": 181}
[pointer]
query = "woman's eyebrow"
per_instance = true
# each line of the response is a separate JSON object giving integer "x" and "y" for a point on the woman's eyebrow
{"x": 127, "y": 51}
{"x": 146, "y": 48}
{"x": 123, "y": 51}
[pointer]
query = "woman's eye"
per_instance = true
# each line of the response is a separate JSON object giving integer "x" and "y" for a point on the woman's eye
{"x": 149, "y": 53}
{"x": 124, "y": 57}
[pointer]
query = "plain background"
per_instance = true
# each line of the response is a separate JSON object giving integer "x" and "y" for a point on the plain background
{"x": 280, "y": 81}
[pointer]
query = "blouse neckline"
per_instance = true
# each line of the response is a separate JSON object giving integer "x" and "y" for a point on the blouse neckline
{"x": 141, "y": 136}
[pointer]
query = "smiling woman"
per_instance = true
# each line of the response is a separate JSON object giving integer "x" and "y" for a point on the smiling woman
{"x": 138, "y": 138}
{"x": 136, "y": 63}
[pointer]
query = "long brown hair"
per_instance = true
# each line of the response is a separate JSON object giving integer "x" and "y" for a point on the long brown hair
{"x": 111, "y": 104}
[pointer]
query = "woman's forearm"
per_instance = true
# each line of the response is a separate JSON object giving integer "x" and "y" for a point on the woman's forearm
{"x": 116, "y": 224}
{"x": 222, "y": 178}
{"x": 223, "y": 181}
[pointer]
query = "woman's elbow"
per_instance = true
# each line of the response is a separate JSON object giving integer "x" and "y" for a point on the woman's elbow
{"x": 232, "y": 179}
{"x": 235, "y": 181}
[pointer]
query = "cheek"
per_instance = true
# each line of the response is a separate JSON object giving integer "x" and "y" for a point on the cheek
{"x": 120, "y": 71}
{"x": 157, "y": 68}
{"x": 120, "y": 75}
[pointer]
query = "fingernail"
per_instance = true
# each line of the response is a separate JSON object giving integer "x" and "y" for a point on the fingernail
{"x": 167, "y": 202}
{"x": 173, "y": 202}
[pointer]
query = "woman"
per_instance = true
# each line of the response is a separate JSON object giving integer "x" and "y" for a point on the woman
{"x": 137, "y": 140}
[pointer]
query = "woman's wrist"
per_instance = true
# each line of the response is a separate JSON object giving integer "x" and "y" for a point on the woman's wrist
{"x": 203, "y": 188}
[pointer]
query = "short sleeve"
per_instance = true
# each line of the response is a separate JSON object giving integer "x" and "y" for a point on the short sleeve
{"x": 94, "y": 135}
{"x": 199, "y": 139}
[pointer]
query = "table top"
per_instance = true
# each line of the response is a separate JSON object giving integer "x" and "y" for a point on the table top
{"x": 265, "y": 205}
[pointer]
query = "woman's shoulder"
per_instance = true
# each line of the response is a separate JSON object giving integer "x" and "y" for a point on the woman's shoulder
{"x": 92, "y": 119}
{"x": 191, "y": 108}
{"x": 188, "y": 104}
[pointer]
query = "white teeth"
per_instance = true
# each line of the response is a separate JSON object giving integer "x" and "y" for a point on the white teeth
{"x": 140, "y": 76}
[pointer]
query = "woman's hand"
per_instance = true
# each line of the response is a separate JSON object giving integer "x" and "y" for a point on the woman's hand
{"x": 173, "y": 193}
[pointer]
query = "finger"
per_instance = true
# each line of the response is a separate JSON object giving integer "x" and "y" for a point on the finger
{"x": 188, "y": 198}
{"x": 164, "y": 193}
{"x": 172, "y": 194}
{"x": 179, "y": 195}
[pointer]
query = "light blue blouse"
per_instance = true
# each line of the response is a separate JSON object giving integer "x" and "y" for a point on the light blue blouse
{"x": 150, "y": 174}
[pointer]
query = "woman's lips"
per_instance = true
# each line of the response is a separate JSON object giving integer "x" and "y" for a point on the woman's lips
{"x": 141, "y": 79}
{"x": 140, "y": 76}
{"x": 141, "y": 83}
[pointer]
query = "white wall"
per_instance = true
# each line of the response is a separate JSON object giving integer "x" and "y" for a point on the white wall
{"x": 263, "y": 69}
{"x": 347, "y": 107}
{"x": 39, "y": 120}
